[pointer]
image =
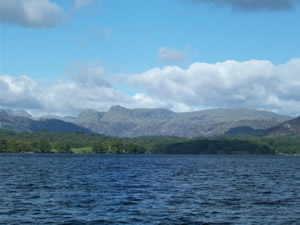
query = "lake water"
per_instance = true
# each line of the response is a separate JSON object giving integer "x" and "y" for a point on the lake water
{"x": 149, "y": 189}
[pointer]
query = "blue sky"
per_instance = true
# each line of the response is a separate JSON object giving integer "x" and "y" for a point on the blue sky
{"x": 57, "y": 54}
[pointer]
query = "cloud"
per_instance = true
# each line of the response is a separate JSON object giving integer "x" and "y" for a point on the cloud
{"x": 77, "y": 4}
{"x": 88, "y": 89}
{"x": 90, "y": 35}
{"x": 140, "y": 100}
{"x": 31, "y": 13}
{"x": 89, "y": 74}
{"x": 253, "y": 5}
{"x": 249, "y": 84}
{"x": 254, "y": 84}
{"x": 71, "y": 98}
{"x": 37, "y": 13}
{"x": 170, "y": 56}
{"x": 19, "y": 92}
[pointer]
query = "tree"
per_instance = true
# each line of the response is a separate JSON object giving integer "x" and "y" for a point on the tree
{"x": 62, "y": 147}
{"x": 3, "y": 145}
{"x": 212, "y": 148}
{"x": 132, "y": 148}
{"x": 44, "y": 146}
{"x": 19, "y": 147}
{"x": 99, "y": 147}
{"x": 116, "y": 147}
{"x": 227, "y": 150}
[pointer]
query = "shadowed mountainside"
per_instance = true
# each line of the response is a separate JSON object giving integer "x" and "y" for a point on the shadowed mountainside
{"x": 243, "y": 130}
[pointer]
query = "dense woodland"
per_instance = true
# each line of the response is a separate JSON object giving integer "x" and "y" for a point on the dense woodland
{"x": 68, "y": 142}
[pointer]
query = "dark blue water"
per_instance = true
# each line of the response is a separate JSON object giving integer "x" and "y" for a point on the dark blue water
{"x": 149, "y": 189}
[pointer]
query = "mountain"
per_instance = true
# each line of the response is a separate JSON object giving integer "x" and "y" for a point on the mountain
{"x": 69, "y": 119}
{"x": 22, "y": 123}
{"x": 243, "y": 130}
{"x": 289, "y": 127}
{"x": 15, "y": 113}
{"x": 123, "y": 122}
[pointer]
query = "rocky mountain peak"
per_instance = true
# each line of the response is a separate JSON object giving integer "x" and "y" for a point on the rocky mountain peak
{"x": 89, "y": 114}
{"x": 119, "y": 109}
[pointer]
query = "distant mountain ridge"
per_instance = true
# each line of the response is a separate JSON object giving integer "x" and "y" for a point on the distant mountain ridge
{"x": 15, "y": 113}
{"x": 123, "y": 122}
{"x": 47, "y": 117}
{"x": 24, "y": 122}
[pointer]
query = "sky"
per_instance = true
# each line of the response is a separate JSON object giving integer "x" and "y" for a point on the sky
{"x": 63, "y": 57}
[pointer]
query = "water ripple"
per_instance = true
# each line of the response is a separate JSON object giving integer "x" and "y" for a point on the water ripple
{"x": 149, "y": 189}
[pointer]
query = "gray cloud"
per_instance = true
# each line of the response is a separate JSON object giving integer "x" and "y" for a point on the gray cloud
{"x": 89, "y": 74}
{"x": 19, "y": 92}
{"x": 77, "y": 4}
{"x": 253, "y": 5}
{"x": 92, "y": 34}
{"x": 171, "y": 56}
{"x": 31, "y": 13}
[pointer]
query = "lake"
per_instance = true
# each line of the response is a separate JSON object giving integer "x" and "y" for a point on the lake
{"x": 149, "y": 189}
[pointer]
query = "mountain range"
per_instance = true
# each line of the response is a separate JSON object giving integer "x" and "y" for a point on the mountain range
{"x": 123, "y": 122}
{"x": 23, "y": 121}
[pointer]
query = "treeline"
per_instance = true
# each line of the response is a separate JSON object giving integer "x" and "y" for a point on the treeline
{"x": 75, "y": 140}
{"x": 22, "y": 146}
{"x": 117, "y": 147}
{"x": 43, "y": 146}
{"x": 217, "y": 146}
{"x": 79, "y": 142}
{"x": 283, "y": 145}
{"x": 67, "y": 142}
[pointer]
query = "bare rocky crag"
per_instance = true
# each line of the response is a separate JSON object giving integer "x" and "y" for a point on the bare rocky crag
{"x": 291, "y": 127}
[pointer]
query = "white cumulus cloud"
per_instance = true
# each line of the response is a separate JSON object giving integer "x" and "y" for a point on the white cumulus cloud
{"x": 31, "y": 13}
{"x": 19, "y": 92}
{"x": 253, "y": 84}
{"x": 88, "y": 89}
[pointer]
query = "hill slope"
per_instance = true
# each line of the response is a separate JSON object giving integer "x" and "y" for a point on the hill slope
{"x": 10, "y": 112}
{"x": 123, "y": 122}
{"x": 21, "y": 123}
{"x": 289, "y": 127}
